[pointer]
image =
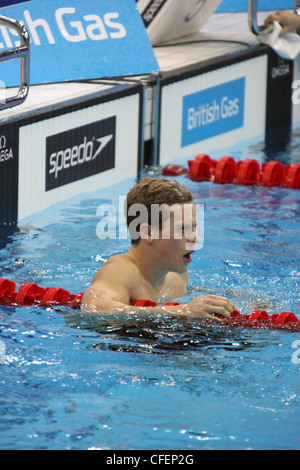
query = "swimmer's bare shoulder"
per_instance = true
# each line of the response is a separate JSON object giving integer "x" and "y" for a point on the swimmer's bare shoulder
{"x": 114, "y": 285}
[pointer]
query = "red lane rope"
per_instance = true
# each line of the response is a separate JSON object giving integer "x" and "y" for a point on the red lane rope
{"x": 257, "y": 319}
{"x": 31, "y": 294}
{"x": 247, "y": 172}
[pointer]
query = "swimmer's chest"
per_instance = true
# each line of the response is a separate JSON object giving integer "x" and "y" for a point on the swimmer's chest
{"x": 174, "y": 286}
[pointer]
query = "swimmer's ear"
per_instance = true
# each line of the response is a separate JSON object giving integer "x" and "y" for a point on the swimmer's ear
{"x": 145, "y": 233}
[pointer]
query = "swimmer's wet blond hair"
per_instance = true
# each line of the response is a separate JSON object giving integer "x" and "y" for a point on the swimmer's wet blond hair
{"x": 155, "y": 191}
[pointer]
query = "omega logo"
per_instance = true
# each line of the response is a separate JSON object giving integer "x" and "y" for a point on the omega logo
{"x": 5, "y": 153}
{"x": 2, "y": 142}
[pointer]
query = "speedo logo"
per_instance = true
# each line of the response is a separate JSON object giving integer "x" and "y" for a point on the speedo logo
{"x": 77, "y": 155}
{"x": 80, "y": 153}
{"x": 152, "y": 11}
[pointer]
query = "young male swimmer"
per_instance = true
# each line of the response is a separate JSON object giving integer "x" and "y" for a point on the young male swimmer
{"x": 156, "y": 265}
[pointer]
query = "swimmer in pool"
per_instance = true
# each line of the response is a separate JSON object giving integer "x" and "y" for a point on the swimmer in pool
{"x": 156, "y": 266}
{"x": 290, "y": 22}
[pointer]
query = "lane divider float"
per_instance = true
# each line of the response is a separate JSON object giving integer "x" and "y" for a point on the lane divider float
{"x": 32, "y": 294}
{"x": 257, "y": 319}
{"x": 247, "y": 172}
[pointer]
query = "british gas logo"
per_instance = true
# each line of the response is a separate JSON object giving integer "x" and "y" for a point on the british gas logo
{"x": 80, "y": 153}
{"x": 80, "y": 39}
{"x": 70, "y": 26}
{"x": 213, "y": 111}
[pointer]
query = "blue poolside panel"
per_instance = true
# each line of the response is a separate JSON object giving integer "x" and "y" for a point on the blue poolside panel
{"x": 238, "y": 5}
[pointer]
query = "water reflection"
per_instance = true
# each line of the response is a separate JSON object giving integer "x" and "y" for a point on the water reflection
{"x": 158, "y": 334}
{"x": 280, "y": 145}
{"x": 6, "y": 235}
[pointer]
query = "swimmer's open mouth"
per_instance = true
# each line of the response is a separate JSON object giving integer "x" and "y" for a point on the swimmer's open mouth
{"x": 187, "y": 256}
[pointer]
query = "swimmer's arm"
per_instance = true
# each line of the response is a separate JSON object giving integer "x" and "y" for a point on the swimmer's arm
{"x": 104, "y": 302}
{"x": 106, "y": 299}
{"x": 110, "y": 289}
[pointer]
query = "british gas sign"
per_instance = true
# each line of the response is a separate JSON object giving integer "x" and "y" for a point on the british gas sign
{"x": 213, "y": 111}
{"x": 71, "y": 40}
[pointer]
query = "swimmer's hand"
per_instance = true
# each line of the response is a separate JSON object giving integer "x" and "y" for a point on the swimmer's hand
{"x": 204, "y": 306}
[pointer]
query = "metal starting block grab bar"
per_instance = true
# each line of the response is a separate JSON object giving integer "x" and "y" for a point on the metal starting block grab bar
{"x": 252, "y": 16}
{"x": 23, "y": 53}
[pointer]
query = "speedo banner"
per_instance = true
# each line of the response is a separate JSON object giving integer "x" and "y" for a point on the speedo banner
{"x": 75, "y": 39}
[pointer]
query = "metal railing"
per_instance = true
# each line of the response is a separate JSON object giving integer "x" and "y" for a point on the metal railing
{"x": 252, "y": 12}
{"x": 23, "y": 53}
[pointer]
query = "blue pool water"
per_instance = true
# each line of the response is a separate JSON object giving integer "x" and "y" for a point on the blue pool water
{"x": 73, "y": 381}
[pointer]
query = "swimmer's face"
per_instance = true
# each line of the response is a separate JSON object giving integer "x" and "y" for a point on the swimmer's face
{"x": 177, "y": 238}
